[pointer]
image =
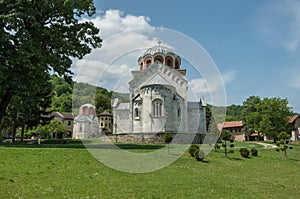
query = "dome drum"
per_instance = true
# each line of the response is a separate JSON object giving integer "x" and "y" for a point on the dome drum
{"x": 160, "y": 54}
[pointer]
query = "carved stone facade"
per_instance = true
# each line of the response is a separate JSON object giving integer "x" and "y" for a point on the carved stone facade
{"x": 158, "y": 98}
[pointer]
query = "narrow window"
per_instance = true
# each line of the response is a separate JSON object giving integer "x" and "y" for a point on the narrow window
{"x": 157, "y": 108}
{"x": 136, "y": 112}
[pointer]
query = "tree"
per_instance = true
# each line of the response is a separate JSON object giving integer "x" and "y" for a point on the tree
{"x": 29, "y": 109}
{"x": 267, "y": 116}
{"x": 39, "y": 37}
{"x": 251, "y": 114}
{"x": 274, "y": 113}
{"x": 168, "y": 139}
{"x": 283, "y": 137}
{"x": 225, "y": 136}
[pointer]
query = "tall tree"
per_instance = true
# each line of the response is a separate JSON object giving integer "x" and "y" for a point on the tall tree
{"x": 38, "y": 37}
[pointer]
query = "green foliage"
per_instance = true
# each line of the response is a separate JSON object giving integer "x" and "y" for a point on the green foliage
{"x": 244, "y": 152}
{"x": 53, "y": 128}
{"x": 254, "y": 152}
{"x": 231, "y": 151}
{"x": 226, "y": 136}
{"x": 39, "y": 37}
{"x": 268, "y": 115}
{"x": 217, "y": 147}
{"x": 199, "y": 155}
{"x": 192, "y": 149}
{"x": 168, "y": 137}
{"x": 283, "y": 138}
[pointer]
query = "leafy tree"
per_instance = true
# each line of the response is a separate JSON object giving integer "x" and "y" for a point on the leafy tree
{"x": 168, "y": 139}
{"x": 28, "y": 110}
{"x": 268, "y": 115}
{"x": 251, "y": 114}
{"x": 234, "y": 113}
{"x": 277, "y": 111}
{"x": 39, "y": 37}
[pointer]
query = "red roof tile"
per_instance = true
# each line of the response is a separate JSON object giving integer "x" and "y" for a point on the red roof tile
{"x": 233, "y": 124}
{"x": 293, "y": 118}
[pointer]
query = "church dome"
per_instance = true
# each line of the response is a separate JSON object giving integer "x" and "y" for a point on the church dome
{"x": 158, "y": 49}
{"x": 161, "y": 54}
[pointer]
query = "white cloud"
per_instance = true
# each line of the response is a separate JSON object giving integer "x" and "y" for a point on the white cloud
{"x": 279, "y": 24}
{"x": 119, "y": 52}
{"x": 200, "y": 88}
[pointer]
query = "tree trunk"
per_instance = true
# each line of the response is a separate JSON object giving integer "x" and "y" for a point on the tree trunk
{"x": 225, "y": 149}
{"x": 14, "y": 131}
{"x": 4, "y": 103}
{"x": 22, "y": 132}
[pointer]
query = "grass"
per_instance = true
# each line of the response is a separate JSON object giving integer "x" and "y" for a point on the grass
{"x": 69, "y": 171}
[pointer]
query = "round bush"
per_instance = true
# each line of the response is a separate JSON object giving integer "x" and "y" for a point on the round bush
{"x": 244, "y": 152}
{"x": 231, "y": 145}
{"x": 290, "y": 147}
{"x": 254, "y": 152}
{"x": 192, "y": 149}
{"x": 277, "y": 149}
{"x": 199, "y": 155}
{"x": 231, "y": 151}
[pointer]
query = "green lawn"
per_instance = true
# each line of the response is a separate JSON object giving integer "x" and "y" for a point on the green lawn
{"x": 69, "y": 171}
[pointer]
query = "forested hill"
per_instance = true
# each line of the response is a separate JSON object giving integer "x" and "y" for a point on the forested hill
{"x": 81, "y": 93}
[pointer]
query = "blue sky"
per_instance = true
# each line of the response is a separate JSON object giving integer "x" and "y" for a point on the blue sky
{"x": 255, "y": 44}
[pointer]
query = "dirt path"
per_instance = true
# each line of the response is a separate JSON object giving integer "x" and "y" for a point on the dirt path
{"x": 266, "y": 145}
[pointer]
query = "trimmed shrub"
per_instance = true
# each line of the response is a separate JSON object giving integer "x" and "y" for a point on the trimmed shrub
{"x": 192, "y": 149}
{"x": 290, "y": 147}
{"x": 277, "y": 149}
{"x": 217, "y": 147}
{"x": 231, "y": 145}
{"x": 231, "y": 151}
{"x": 244, "y": 152}
{"x": 254, "y": 152}
{"x": 199, "y": 155}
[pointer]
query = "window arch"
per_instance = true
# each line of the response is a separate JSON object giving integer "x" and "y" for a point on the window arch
{"x": 136, "y": 113}
{"x": 157, "y": 110}
{"x": 159, "y": 58}
{"x": 148, "y": 62}
{"x": 169, "y": 62}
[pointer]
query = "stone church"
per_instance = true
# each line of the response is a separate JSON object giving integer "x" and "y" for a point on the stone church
{"x": 158, "y": 98}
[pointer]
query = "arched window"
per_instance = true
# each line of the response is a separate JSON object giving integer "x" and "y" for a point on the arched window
{"x": 136, "y": 113}
{"x": 169, "y": 62}
{"x": 148, "y": 62}
{"x": 158, "y": 58}
{"x": 157, "y": 108}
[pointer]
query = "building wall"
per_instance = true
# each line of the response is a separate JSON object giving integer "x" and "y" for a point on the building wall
{"x": 122, "y": 121}
{"x": 197, "y": 120}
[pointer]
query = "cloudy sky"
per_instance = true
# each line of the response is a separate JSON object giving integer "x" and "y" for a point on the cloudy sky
{"x": 254, "y": 44}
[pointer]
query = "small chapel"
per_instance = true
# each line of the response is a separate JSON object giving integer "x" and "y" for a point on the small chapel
{"x": 158, "y": 98}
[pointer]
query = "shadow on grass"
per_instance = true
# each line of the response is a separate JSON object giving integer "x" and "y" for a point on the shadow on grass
{"x": 238, "y": 158}
{"x": 78, "y": 144}
{"x": 292, "y": 159}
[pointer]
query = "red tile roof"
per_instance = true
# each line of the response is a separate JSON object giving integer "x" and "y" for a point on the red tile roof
{"x": 233, "y": 124}
{"x": 293, "y": 118}
{"x": 63, "y": 115}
